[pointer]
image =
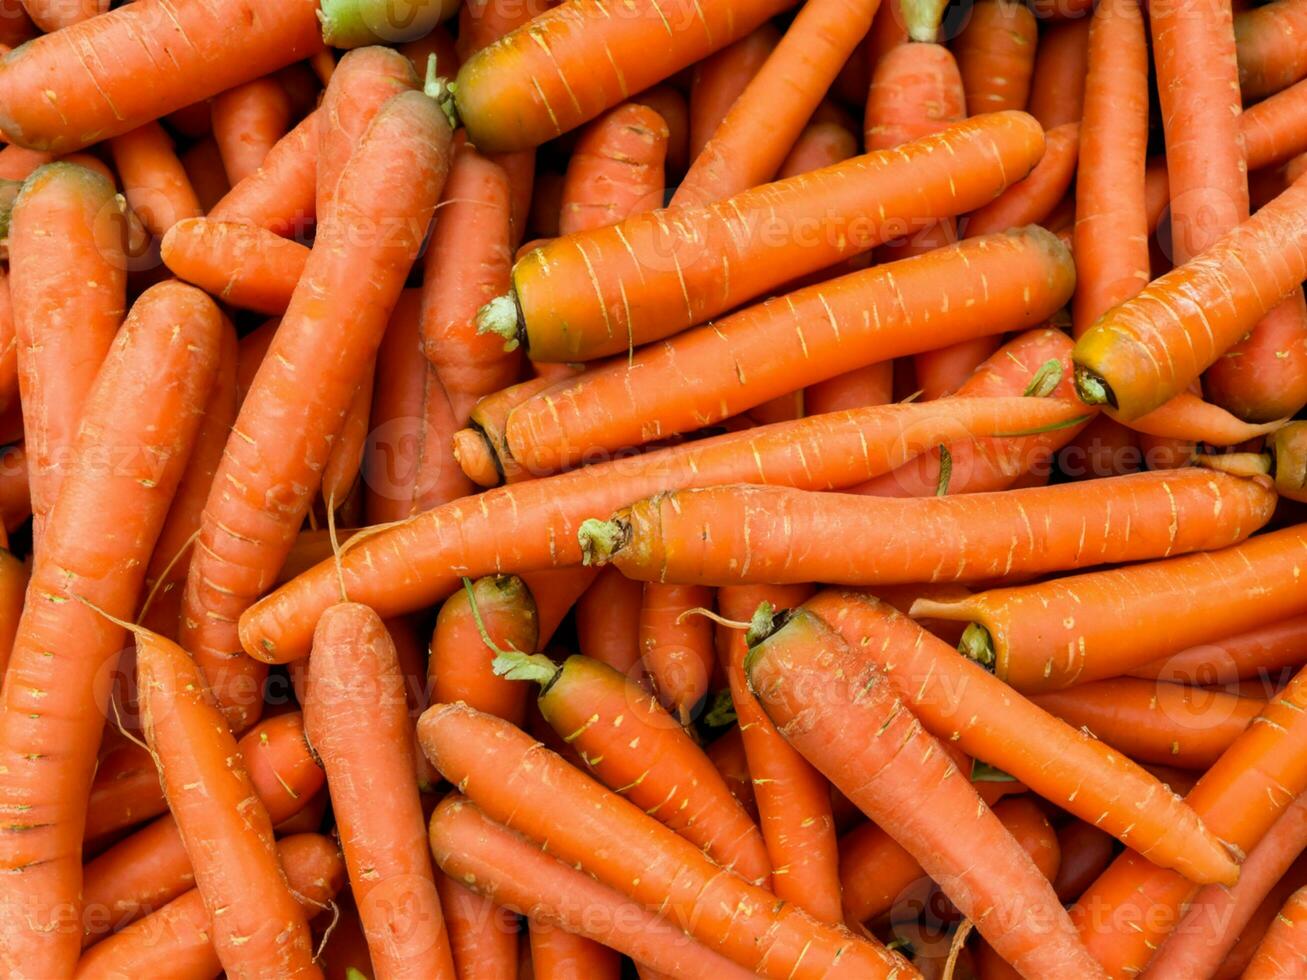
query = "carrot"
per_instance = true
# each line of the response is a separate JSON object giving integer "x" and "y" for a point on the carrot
{"x": 1264, "y": 376}
{"x": 675, "y": 646}
{"x": 150, "y": 868}
{"x": 1272, "y": 129}
{"x": 1021, "y": 631}
{"x": 860, "y": 388}
{"x": 959, "y": 702}
{"x": 482, "y": 936}
{"x": 819, "y": 145}
{"x": 1148, "y": 349}
{"x": 996, "y": 56}
{"x": 668, "y": 102}
{"x": 392, "y": 181}
{"x": 607, "y": 622}
{"x": 279, "y": 195}
{"x": 556, "y": 591}
{"x": 482, "y": 22}
{"x": 1152, "y": 722}
{"x": 718, "y": 80}
{"x": 1057, "y": 85}
{"x": 541, "y": 516}
{"x": 840, "y": 713}
{"x": 356, "y": 718}
{"x": 616, "y": 169}
{"x": 18, "y": 163}
{"x": 467, "y": 264}
{"x": 1283, "y": 951}
{"x": 13, "y": 589}
{"x": 125, "y": 792}
{"x": 657, "y": 276}
{"x": 153, "y": 178}
{"x": 8, "y": 345}
{"x": 793, "y": 799}
{"x": 727, "y": 756}
{"x": 248, "y": 120}
{"x": 515, "y": 872}
{"x": 53, "y": 15}
{"x": 1241, "y": 954}
{"x": 527, "y": 88}
{"x": 1187, "y": 417}
{"x": 515, "y": 780}
{"x": 1269, "y": 56}
{"x": 560, "y": 955}
{"x": 765, "y": 534}
{"x": 1264, "y": 647}
{"x": 242, "y": 264}
{"x": 341, "y": 472}
{"x": 202, "y": 164}
{"x": 15, "y": 24}
{"x": 212, "y": 49}
{"x": 481, "y": 449}
{"x": 260, "y": 929}
{"x": 1031, "y": 199}
{"x": 15, "y": 501}
{"x": 761, "y": 126}
{"x": 975, "y": 288}
{"x": 67, "y": 287}
{"x": 1085, "y": 851}
{"x": 355, "y": 23}
{"x": 175, "y": 939}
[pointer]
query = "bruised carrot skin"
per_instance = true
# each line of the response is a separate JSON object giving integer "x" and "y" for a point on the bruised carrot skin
{"x": 1270, "y": 57}
{"x": 280, "y": 195}
{"x": 212, "y": 48}
{"x": 676, "y": 647}
{"x": 241, "y": 264}
{"x": 356, "y": 718}
{"x": 541, "y": 80}
{"x": 512, "y": 778}
{"x": 616, "y": 169}
{"x": 154, "y": 179}
{"x": 996, "y": 283}
{"x": 248, "y": 120}
{"x": 647, "y": 266}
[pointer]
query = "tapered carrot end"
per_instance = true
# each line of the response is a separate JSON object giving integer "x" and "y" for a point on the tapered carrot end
{"x": 476, "y": 458}
{"x": 500, "y": 316}
{"x": 601, "y": 540}
{"x": 922, "y": 17}
{"x": 1092, "y": 388}
{"x": 976, "y": 644}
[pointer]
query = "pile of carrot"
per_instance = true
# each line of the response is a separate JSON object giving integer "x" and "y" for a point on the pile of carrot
{"x": 578, "y": 490}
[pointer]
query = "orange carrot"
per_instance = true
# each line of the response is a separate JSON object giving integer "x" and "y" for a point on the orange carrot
{"x": 482, "y": 936}
{"x": 341, "y": 472}
{"x": 15, "y": 500}
{"x": 17, "y": 162}
{"x": 616, "y": 169}
{"x": 675, "y": 646}
{"x": 544, "y": 77}
{"x": 1057, "y": 86}
{"x": 356, "y": 718}
{"x": 860, "y": 388}
{"x": 242, "y": 264}
{"x": 1031, "y": 199}
{"x": 1282, "y": 952}
{"x": 209, "y": 49}
{"x": 669, "y": 103}
{"x": 996, "y": 55}
{"x": 8, "y": 346}
{"x": 393, "y": 180}
{"x": 820, "y": 145}
{"x": 125, "y": 792}
{"x": 53, "y": 15}
{"x": 355, "y": 23}
{"x": 1086, "y": 851}
{"x": 482, "y": 449}
{"x": 556, "y": 591}
{"x": 1270, "y": 57}
{"x": 203, "y": 166}
{"x": 607, "y": 626}
{"x": 1273, "y": 128}
{"x": 279, "y": 195}
{"x": 514, "y": 779}
{"x": 560, "y": 955}
{"x": 991, "y": 284}
{"x": 815, "y": 689}
{"x": 1265, "y": 647}
{"x": 761, "y": 126}
{"x": 718, "y": 80}
{"x": 657, "y": 276}
{"x": 248, "y": 120}
{"x": 482, "y": 22}
{"x": 154, "y": 180}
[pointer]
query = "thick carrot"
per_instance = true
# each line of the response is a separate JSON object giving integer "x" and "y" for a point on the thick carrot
{"x": 1263, "y": 648}
{"x": 467, "y": 264}
{"x": 616, "y": 169}
{"x": 975, "y": 288}
{"x": 392, "y": 181}
{"x": 822, "y": 144}
{"x": 749, "y": 145}
{"x": 482, "y": 936}
{"x": 539, "y": 519}
{"x": 356, "y": 718}
{"x": 355, "y": 23}
{"x": 146, "y": 401}
{"x": 794, "y": 800}
{"x": 676, "y": 647}
{"x": 560, "y": 955}
{"x": 154, "y": 179}
{"x": 1143, "y": 352}
{"x": 543, "y": 78}
{"x": 280, "y": 195}
{"x": 597, "y": 293}
{"x": 996, "y": 55}
{"x": 744, "y": 534}
{"x": 482, "y": 449}
{"x": 248, "y": 121}
{"x": 209, "y": 49}
{"x": 1271, "y": 56}
{"x": 718, "y": 80}
{"x": 1057, "y": 85}
{"x": 514, "y": 872}
{"x": 242, "y": 264}
{"x": 1282, "y": 952}
{"x": 841, "y": 714}
{"x": 1273, "y": 129}
{"x": 607, "y": 622}
{"x": 959, "y": 702}
{"x": 514, "y": 779}
{"x": 860, "y": 388}
{"x": 68, "y": 286}
{"x": 1023, "y": 633}
{"x": 1151, "y": 722}
{"x": 1031, "y": 199}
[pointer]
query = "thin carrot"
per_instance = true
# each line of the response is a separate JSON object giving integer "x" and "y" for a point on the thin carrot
{"x": 514, "y": 779}
{"x": 1031, "y": 199}
{"x": 166, "y": 58}
{"x": 356, "y": 718}
{"x": 393, "y": 181}
{"x": 533, "y": 524}
{"x": 1273, "y": 128}
{"x": 1241, "y": 954}
{"x": 560, "y": 955}
{"x": 1192, "y": 315}
{"x": 15, "y": 500}
{"x": 242, "y": 264}
{"x": 718, "y": 80}
{"x": 668, "y": 102}
{"x": 344, "y": 462}
{"x": 248, "y": 120}
{"x": 616, "y": 169}
{"x": 1184, "y": 601}
{"x": 959, "y": 702}
{"x": 840, "y": 713}
{"x": 203, "y": 166}
{"x": 1057, "y": 86}
{"x": 8, "y": 345}
{"x": 1086, "y": 852}
{"x": 655, "y": 276}
{"x": 467, "y": 264}
{"x": 676, "y": 646}
{"x": 1269, "y": 56}
{"x": 637, "y": 749}
{"x": 996, "y": 55}
{"x": 542, "y": 79}
{"x": 1282, "y": 953}
{"x": 355, "y": 23}
{"x": 976, "y": 288}
{"x": 280, "y": 195}
{"x": 514, "y": 872}
{"x": 154, "y": 179}
{"x": 482, "y": 935}
{"x": 68, "y": 288}
{"x": 482, "y": 449}
{"x": 760, "y": 128}
{"x": 607, "y": 622}
{"x": 1264, "y": 647}
{"x": 556, "y": 591}
{"x": 820, "y": 145}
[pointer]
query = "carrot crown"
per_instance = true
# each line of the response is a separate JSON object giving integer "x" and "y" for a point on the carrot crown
{"x": 503, "y": 316}
{"x": 1092, "y": 388}
{"x": 762, "y": 625}
{"x": 600, "y": 540}
{"x": 976, "y": 644}
{"x": 441, "y": 90}
{"x": 518, "y": 666}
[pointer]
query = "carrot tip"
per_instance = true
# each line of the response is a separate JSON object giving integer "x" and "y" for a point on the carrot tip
{"x": 976, "y": 644}
{"x": 1092, "y": 388}
{"x": 600, "y": 540}
{"x": 500, "y": 316}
